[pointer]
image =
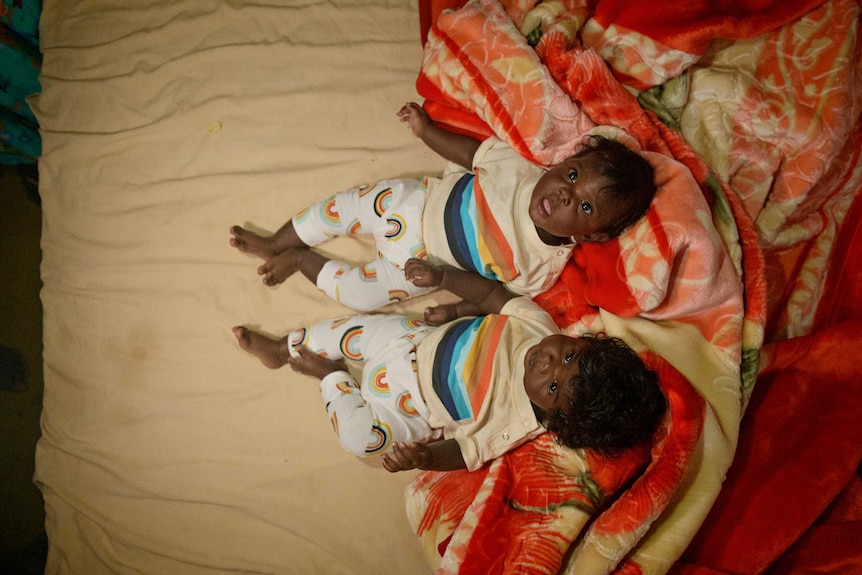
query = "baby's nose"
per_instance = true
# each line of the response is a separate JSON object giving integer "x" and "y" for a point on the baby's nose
{"x": 543, "y": 364}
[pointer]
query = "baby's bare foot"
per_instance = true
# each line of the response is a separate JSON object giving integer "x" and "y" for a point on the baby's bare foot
{"x": 251, "y": 243}
{"x": 273, "y": 353}
{"x": 440, "y": 314}
{"x": 281, "y": 266}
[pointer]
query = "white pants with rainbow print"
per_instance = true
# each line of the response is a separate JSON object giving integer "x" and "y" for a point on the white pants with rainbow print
{"x": 387, "y": 406}
{"x": 389, "y": 211}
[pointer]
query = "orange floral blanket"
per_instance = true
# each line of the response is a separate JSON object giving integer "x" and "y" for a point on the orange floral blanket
{"x": 686, "y": 286}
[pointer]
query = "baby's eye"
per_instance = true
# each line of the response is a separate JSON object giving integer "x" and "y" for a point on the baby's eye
{"x": 573, "y": 175}
{"x": 553, "y": 387}
{"x": 587, "y": 207}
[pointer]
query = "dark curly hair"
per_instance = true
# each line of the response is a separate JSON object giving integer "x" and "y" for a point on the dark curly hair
{"x": 632, "y": 181}
{"x": 615, "y": 401}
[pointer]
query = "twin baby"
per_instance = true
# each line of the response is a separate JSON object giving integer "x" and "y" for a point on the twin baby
{"x": 476, "y": 378}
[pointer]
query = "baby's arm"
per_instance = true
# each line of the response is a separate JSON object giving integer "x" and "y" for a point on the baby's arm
{"x": 454, "y": 147}
{"x": 442, "y": 455}
{"x": 444, "y": 313}
{"x": 486, "y": 296}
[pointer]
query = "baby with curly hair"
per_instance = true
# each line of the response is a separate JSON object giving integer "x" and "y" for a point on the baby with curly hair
{"x": 460, "y": 394}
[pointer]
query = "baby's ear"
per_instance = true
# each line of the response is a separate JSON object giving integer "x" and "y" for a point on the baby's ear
{"x": 594, "y": 237}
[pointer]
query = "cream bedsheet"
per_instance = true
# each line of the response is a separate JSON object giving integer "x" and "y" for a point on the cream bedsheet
{"x": 166, "y": 448}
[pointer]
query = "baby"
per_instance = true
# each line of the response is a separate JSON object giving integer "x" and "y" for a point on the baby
{"x": 492, "y": 212}
{"x": 459, "y": 395}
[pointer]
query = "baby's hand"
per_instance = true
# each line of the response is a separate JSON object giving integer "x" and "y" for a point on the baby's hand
{"x": 422, "y": 273}
{"x": 416, "y": 117}
{"x": 440, "y": 314}
{"x": 405, "y": 456}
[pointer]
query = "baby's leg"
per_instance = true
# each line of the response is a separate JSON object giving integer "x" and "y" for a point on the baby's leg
{"x": 331, "y": 339}
{"x": 265, "y": 247}
{"x": 281, "y": 266}
{"x": 388, "y": 406}
{"x": 366, "y": 288}
{"x": 317, "y": 223}
{"x": 307, "y": 362}
{"x": 273, "y": 353}
{"x": 368, "y": 424}
{"x": 339, "y": 338}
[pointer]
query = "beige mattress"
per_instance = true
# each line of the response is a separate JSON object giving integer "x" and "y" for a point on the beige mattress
{"x": 166, "y": 449}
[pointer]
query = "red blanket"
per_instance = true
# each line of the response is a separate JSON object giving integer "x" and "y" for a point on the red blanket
{"x": 669, "y": 275}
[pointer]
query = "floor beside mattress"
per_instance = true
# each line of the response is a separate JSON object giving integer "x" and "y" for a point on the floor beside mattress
{"x": 23, "y": 544}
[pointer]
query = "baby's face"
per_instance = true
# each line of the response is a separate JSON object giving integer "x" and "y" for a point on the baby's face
{"x": 550, "y": 367}
{"x": 568, "y": 202}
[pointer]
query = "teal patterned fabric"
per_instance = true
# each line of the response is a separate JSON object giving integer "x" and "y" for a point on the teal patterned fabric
{"x": 20, "y": 61}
